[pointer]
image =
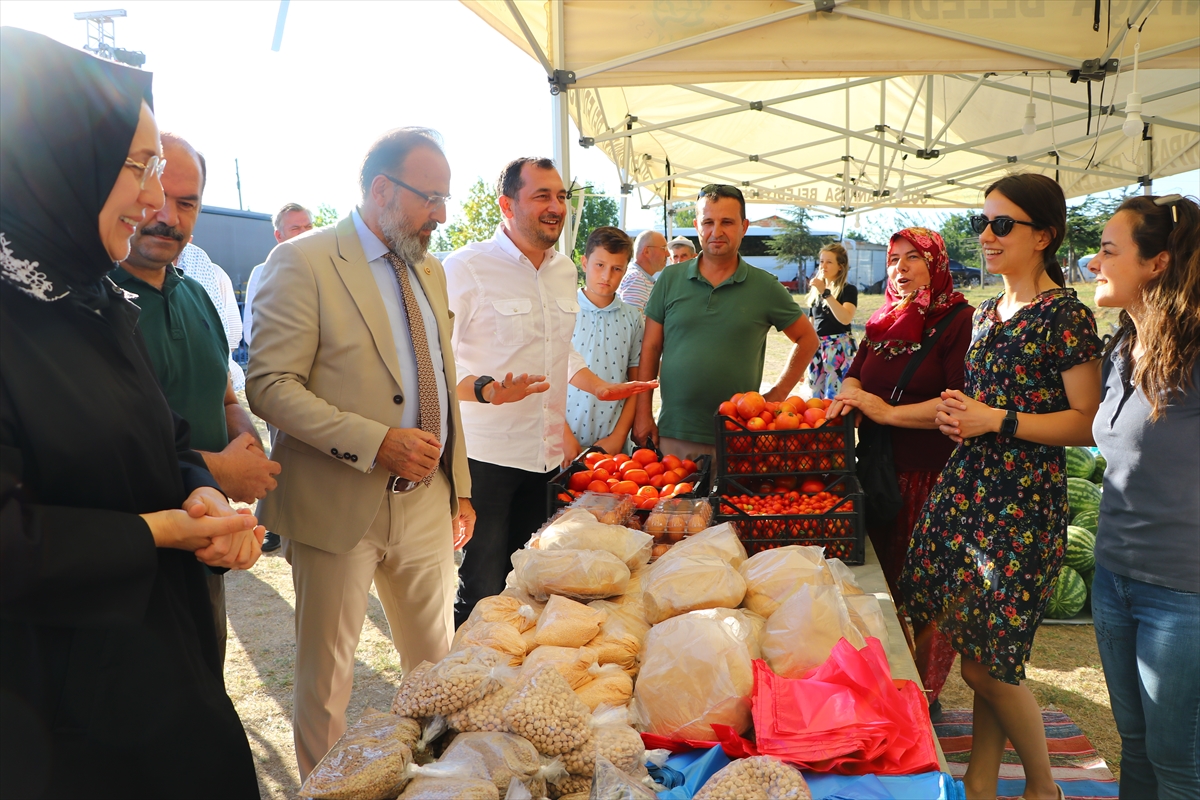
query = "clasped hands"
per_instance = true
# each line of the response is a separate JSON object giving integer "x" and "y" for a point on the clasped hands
{"x": 219, "y": 535}
{"x": 963, "y": 418}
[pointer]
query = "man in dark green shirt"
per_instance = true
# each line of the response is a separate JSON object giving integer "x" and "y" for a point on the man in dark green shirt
{"x": 707, "y": 322}
{"x": 186, "y": 340}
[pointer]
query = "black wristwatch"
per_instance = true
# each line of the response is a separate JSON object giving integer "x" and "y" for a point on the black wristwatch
{"x": 480, "y": 382}
{"x": 1009, "y": 426}
{"x": 825, "y": 294}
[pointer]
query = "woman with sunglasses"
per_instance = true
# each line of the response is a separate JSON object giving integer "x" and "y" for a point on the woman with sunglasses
{"x": 987, "y": 550}
{"x": 109, "y": 680}
{"x": 1146, "y": 590}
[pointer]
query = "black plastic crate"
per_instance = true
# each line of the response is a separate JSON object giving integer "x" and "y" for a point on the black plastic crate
{"x": 841, "y": 531}
{"x": 556, "y": 491}
{"x": 828, "y": 449}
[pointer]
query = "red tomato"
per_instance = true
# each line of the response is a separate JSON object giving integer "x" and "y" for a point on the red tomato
{"x": 657, "y": 481}
{"x": 767, "y": 417}
{"x": 625, "y": 487}
{"x": 579, "y": 480}
{"x": 647, "y": 503}
{"x": 750, "y": 405}
{"x": 598, "y": 486}
{"x": 655, "y": 469}
{"x": 608, "y": 465}
{"x": 648, "y": 491}
{"x": 620, "y": 458}
{"x": 756, "y": 424}
{"x": 787, "y": 420}
{"x": 682, "y": 488}
{"x": 727, "y": 409}
{"x": 810, "y": 486}
{"x": 638, "y": 476}
{"x": 591, "y": 459}
{"x": 601, "y": 474}
{"x": 688, "y": 467}
{"x": 645, "y": 456}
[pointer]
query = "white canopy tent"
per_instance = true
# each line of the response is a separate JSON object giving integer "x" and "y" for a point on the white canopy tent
{"x": 850, "y": 105}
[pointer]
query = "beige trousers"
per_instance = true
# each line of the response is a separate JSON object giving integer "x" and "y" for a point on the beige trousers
{"x": 408, "y": 552}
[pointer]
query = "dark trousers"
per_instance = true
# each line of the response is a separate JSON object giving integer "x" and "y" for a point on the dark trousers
{"x": 216, "y": 593}
{"x": 510, "y": 505}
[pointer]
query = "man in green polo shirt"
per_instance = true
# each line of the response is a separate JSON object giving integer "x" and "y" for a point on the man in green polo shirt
{"x": 186, "y": 341}
{"x": 706, "y": 327}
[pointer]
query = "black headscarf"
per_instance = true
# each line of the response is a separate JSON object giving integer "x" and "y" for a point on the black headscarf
{"x": 66, "y": 121}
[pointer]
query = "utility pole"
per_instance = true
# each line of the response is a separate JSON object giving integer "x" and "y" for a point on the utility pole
{"x": 238, "y": 174}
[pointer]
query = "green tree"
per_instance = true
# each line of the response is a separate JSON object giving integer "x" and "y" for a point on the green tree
{"x": 597, "y": 212}
{"x": 476, "y": 220}
{"x": 685, "y": 214}
{"x": 962, "y": 244}
{"x": 1085, "y": 223}
{"x": 326, "y": 215}
{"x": 795, "y": 242}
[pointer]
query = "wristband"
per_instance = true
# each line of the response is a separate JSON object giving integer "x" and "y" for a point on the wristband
{"x": 826, "y": 294}
{"x": 1009, "y": 426}
{"x": 480, "y": 383}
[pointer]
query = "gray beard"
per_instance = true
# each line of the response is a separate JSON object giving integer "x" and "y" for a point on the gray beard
{"x": 405, "y": 243}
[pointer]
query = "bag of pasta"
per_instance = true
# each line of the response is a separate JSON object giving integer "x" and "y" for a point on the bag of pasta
{"x": 756, "y": 778}
{"x": 610, "y": 685}
{"x": 687, "y": 583}
{"x": 572, "y": 663}
{"x": 695, "y": 673}
{"x": 721, "y": 541}
{"x": 772, "y": 576}
{"x": 801, "y": 634}
{"x": 499, "y": 636}
{"x": 505, "y": 757}
{"x": 578, "y": 529}
{"x": 368, "y": 762}
{"x": 455, "y": 682}
{"x": 621, "y": 635}
{"x": 545, "y": 711}
{"x": 612, "y": 739}
{"x": 568, "y": 623}
{"x": 742, "y": 623}
{"x": 578, "y": 574}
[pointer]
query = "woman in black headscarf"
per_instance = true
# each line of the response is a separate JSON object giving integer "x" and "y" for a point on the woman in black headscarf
{"x": 109, "y": 680}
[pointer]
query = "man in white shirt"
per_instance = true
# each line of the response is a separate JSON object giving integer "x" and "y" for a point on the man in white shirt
{"x": 195, "y": 263}
{"x": 290, "y": 221}
{"x": 513, "y": 298}
{"x": 649, "y": 258}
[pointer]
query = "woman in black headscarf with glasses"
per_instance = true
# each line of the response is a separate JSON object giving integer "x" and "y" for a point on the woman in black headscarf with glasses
{"x": 109, "y": 680}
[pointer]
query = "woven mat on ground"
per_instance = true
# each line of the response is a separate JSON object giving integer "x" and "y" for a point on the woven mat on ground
{"x": 1077, "y": 767}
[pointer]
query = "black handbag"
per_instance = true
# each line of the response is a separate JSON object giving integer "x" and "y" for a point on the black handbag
{"x": 876, "y": 464}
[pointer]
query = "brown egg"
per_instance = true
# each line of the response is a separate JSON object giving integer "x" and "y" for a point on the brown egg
{"x": 611, "y": 518}
{"x": 696, "y": 523}
{"x": 677, "y": 524}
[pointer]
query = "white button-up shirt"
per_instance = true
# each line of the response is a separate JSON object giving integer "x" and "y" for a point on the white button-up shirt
{"x": 512, "y": 317}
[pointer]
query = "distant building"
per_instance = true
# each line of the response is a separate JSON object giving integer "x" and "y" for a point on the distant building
{"x": 237, "y": 241}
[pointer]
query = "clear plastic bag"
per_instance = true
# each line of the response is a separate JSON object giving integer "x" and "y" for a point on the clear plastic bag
{"x": 843, "y": 576}
{"x": 369, "y": 761}
{"x": 572, "y": 663}
{"x": 578, "y": 574}
{"x": 678, "y": 585}
{"x": 519, "y": 612}
{"x": 572, "y": 787}
{"x": 568, "y": 623}
{"x": 463, "y": 779}
{"x": 610, "y": 783}
{"x": 577, "y": 529}
{"x": 867, "y": 615}
{"x": 773, "y": 576}
{"x": 621, "y": 635}
{"x": 695, "y": 673}
{"x": 610, "y": 685}
{"x": 612, "y": 739}
{"x": 483, "y": 716}
{"x": 801, "y": 634}
{"x": 742, "y": 623}
{"x": 721, "y": 541}
{"x": 455, "y": 682}
{"x": 545, "y": 711}
{"x": 505, "y": 757}
{"x": 517, "y": 791}
{"x": 756, "y": 778}
{"x": 499, "y": 636}
{"x": 405, "y": 695}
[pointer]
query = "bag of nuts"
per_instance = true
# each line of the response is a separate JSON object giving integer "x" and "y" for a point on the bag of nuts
{"x": 572, "y": 663}
{"x": 756, "y": 778}
{"x": 499, "y": 636}
{"x": 579, "y": 574}
{"x": 610, "y": 685}
{"x": 612, "y": 739}
{"x": 408, "y": 686}
{"x": 567, "y": 623}
{"x": 687, "y": 583}
{"x": 455, "y": 682}
{"x": 545, "y": 711}
{"x": 483, "y": 716}
{"x": 369, "y": 761}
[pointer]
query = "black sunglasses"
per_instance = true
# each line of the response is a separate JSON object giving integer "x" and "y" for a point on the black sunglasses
{"x": 1001, "y": 226}
{"x": 721, "y": 190}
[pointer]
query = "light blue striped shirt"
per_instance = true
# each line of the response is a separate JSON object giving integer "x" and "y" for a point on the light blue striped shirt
{"x": 610, "y": 341}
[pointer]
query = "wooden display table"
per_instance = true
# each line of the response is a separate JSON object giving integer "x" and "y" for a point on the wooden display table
{"x": 870, "y": 578}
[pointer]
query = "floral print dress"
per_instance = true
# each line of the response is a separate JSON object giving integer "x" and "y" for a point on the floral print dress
{"x": 990, "y": 542}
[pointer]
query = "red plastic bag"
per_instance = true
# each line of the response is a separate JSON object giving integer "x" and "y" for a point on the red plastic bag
{"x": 846, "y": 716}
{"x": 734, "y": 745}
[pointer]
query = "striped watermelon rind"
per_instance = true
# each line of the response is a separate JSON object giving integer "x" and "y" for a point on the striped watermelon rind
{"x": 1081, "y": 549}
{"x": 1082, "y": 495}
{"x": 1089, "y": 520}
{"x": 1080, "y": 463}
{"x": 1098, "y": 472}
{"x": 1070, "y": 593}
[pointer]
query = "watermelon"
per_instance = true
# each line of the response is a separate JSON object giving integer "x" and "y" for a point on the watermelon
{"x": 1081, "y": 549}
{"x": 1098, "y": 472}
{"x": 1080, "y": 463}
{"x": 1082, "y": 495}
{"x": 1070, "y": 593}
{"x": 1089, "y": 520}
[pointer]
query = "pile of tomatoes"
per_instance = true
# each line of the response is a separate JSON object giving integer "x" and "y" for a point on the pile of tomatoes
{"x": 642, "y": 475}
{"x": 788, "y": 503}
{"x": 758, "y": 414}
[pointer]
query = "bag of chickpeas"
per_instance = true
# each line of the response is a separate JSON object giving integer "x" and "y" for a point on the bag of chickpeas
{"x": 369, "y": 761}
{"x": 612, "y": 739}
{"x": 483, "y": 716}
{"x": 687, "y": 583}
{"x": 577, "y": 529}
{"x": 546, "y": 711}
{"x": 579, "y": 574}
{"x": 404, "y": 699}
{"x": 568, "y": 623}
{"x": 455, "y": 682}
{"x": 756, "y": 778}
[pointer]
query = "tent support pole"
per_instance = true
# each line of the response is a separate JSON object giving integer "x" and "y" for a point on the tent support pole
{"x": 561, "y": 118}
{"x": 882, "y": 130}
{"x": 928, "y": 113}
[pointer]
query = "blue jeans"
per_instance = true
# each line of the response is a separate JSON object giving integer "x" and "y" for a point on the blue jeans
{"x": 1149, "y": 639}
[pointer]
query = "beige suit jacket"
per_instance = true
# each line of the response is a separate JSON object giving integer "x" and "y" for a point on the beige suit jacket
{"x": 323, "y": 370}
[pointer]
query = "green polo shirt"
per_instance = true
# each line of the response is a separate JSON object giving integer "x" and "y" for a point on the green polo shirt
{"x": 188, "y": 349}
{"x": 714, "y": 341}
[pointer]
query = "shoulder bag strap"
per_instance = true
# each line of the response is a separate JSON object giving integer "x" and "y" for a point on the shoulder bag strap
{"x": 926, "y": 346}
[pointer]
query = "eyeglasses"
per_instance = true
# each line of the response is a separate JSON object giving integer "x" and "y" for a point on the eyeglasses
{"x": 154, "y": 166}
{"x": 721, "y": 190}
{"x": 432, "y": 201}
{"x": 1001, "y": 226}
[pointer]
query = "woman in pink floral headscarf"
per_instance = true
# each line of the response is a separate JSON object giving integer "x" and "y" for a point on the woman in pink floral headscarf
{"x": 920, "y": 292}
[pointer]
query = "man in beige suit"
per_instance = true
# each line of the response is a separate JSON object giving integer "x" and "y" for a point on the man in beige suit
{"x": 351, "y": 361}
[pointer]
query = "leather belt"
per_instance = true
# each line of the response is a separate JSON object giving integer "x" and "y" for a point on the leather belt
{"x": 398, "y": 485}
